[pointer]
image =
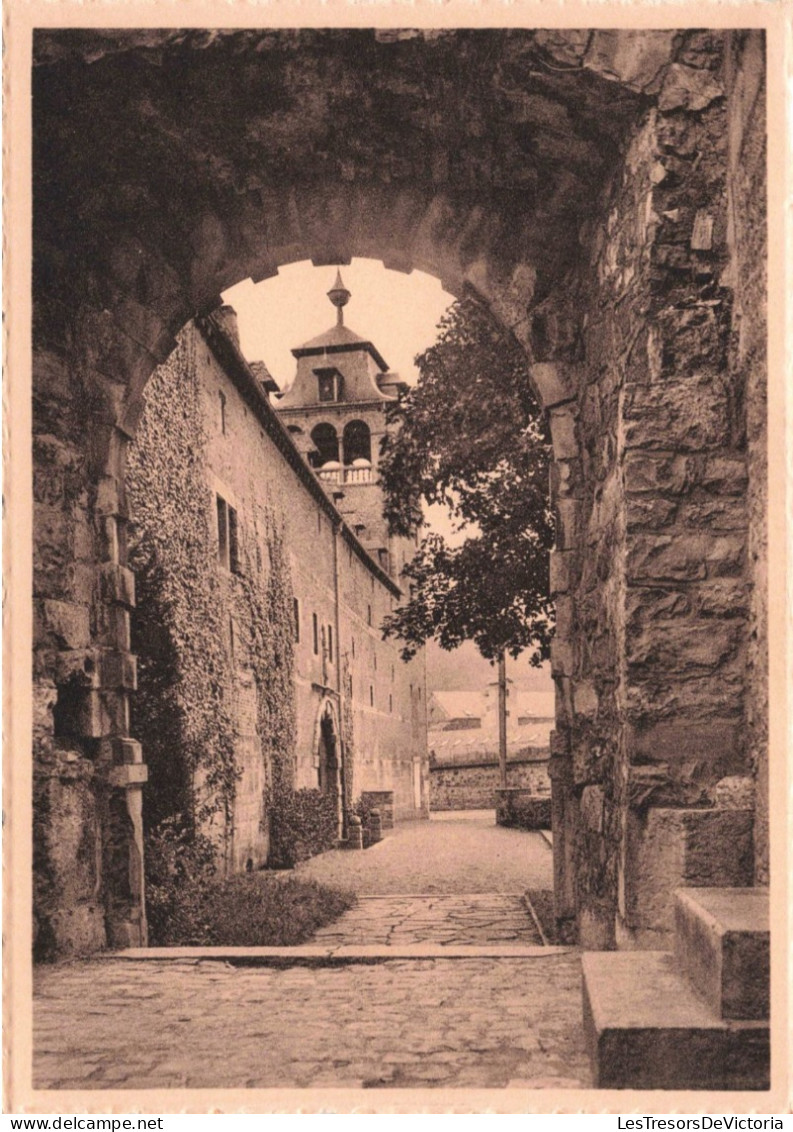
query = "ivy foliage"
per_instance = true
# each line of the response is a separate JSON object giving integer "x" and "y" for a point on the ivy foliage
{"x": 184, "y": 712}
{"x": 470, "y": 435}
{"x": 188, "y": 904}
{"x": 303, "y": 823}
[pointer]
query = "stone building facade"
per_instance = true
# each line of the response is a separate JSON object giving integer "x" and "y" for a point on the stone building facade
{"x": 360, "y": 711}
{"x": 604, "y": 193}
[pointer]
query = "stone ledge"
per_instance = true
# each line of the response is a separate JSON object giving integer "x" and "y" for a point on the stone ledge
{"x": 646, "y": 1029}
{"x": 722, "y": 942}
{"x": 312, "y": 956}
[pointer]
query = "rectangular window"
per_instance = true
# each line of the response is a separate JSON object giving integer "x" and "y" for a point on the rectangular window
{"x": 222, "y": 397}
{"x": 223, "y": 532}
{"x": 390, "y": 703}
{"x": 315, "y": 624}
{"x": 296, "y": 604}
{"x": 368, "y": 615}
{"x": 328, "y": 384}
{"x": 234, "y": 542}
{"x": 228, "y": 536}
{"x": 353, "y": 648}
{"x": 330, "y": 643}
{"x": 371, "y": 695}
{"x": 382, "y": 556}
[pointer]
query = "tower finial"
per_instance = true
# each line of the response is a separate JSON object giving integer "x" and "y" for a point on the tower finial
{"x": 339, "y": 296}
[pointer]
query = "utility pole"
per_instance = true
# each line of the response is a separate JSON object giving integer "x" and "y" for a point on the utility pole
{"x": 502, "y": 716}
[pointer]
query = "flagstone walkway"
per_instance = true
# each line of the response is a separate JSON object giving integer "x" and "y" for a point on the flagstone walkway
{"x": 455, "y": 1023}
{"x": 471, "y": 920}
{"x": 351, "y": 1015}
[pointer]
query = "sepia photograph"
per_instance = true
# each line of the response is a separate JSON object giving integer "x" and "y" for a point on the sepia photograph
{"x": 393, "y": 452}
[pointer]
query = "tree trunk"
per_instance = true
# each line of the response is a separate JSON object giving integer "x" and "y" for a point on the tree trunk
{"x": 502, "y": 717}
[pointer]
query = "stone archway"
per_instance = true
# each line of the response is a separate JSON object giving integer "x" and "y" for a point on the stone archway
{"x": 587, "y": 188}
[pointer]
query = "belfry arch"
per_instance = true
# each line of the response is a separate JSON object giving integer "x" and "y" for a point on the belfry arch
{"x": 582, "y": 189}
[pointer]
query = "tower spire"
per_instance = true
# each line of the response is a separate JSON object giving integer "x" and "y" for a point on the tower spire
{"x": 339, "y": 296}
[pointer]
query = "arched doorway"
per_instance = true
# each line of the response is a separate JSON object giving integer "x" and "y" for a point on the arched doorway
{"x": 329, "y": 760}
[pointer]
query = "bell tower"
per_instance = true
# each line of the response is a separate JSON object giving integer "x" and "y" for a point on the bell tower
{"x": 336, "y": 410}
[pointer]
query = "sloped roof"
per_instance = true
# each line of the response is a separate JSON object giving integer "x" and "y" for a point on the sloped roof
{"x": 336, "y": 340}
{"x": 538, "y": 705}
{"x": 458, "y": 705}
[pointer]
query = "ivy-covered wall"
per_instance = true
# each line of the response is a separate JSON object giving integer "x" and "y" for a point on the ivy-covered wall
{"x": 215, "y": 708}
{"x": 241, "y": 647}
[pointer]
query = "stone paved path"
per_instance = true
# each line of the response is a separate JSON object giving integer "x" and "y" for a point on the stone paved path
{"x": 470, "y": 1022}
{"x": 453, "y": 1023}
{"x": 454, "y": 853}
{"x": 468, "y": 920}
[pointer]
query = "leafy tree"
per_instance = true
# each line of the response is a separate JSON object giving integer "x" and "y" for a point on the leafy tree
{"x": 471, "y": 435}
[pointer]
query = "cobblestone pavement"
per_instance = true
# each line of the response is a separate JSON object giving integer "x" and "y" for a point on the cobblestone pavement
{"x": 471, "y": 1023}
{"x": 451, "y": 853}
{"x": 468, "y": 920}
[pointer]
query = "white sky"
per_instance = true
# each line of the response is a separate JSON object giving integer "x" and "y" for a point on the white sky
{"x": 398, "y": 313}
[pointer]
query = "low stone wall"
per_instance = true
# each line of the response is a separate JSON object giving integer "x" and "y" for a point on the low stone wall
{"x": 522, "y": 809}
{"x": 473, "y": 786}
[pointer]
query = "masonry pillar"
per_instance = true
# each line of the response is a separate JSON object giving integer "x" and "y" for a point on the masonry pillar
{"x": 88, "y": 772}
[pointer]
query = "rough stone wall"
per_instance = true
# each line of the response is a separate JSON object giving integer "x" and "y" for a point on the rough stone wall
{"x": 473, "y": 786}
{"x": 747, "y": 241}
{"x": 654, "y": 579}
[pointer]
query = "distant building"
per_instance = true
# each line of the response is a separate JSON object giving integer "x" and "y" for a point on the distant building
{"x": 463, "y": 742}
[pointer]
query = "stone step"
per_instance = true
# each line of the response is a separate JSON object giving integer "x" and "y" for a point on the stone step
{"x": 645, "y": 1028}
{"x": 722, "y": 944}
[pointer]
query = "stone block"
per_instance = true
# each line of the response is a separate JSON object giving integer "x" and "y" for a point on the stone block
{"x": 565, "y": 613}
{"x": 683, "y": 557}
{"x": 669, "y": 849}
{"x": 636, "y": 58}
{"x": 128, "y": 774}
{"x": 585, "y": 699}
{"x": 563, "y": 434}
{"x": 688, "y": 88}
{"x": 561, "y": 658}
{"x": 718, "y": 742}
{"x": 650, "y": 513}
{"x": 649, "y": 472}
{"x": 688, "y": 416}
{"x": 562, "y": 566}
{"x": 646, "y": 1029}
{"x": 722, "y": 943}
{"x": 724, "y": 514}
{"x": 117, "y": 584}
{"x": 77, "y": 668}
{"x": 79, "y": 929}
{"x": 118, "y": 670}
{"x": 556, "y": 382}
{"x": 383, "y": 800}
{"x": 111, "y": 497}
{"x": 592, "y": 808}
{"x": 568, "y": 514}
{"x": 63, "y": 622}
{"x": 723, "y": 475}
{"x": 677, "y": 647}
